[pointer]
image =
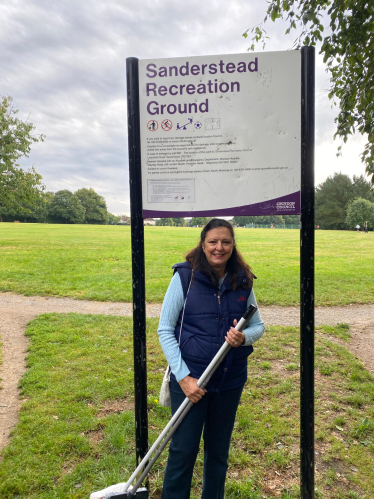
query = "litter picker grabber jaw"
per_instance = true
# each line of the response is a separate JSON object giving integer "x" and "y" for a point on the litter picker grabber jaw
{"x": 127, "y": 490}
{"x": 117, "y": 491}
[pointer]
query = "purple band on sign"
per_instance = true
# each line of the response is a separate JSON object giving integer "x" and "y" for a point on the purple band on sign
{"x": 286, "y": 205}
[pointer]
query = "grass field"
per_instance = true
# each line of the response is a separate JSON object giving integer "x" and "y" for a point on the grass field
{"x": 94, "y": 262}
{"x": 76, "y": 427}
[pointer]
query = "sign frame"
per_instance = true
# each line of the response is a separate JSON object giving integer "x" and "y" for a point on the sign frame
{"x": 248, "y": 163}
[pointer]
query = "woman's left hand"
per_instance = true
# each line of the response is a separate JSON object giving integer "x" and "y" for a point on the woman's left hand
{"x": 234, "y": 337}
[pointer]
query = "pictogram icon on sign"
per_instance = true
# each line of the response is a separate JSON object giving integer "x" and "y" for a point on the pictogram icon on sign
{"x": 212, "y": 123}
{"x": 152, "y": 125}
{"x": 166, "y": 125}
{"x": 184, "y": 127}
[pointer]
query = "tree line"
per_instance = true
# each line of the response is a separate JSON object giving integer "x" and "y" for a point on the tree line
{"x": 276, "y": 220}
{"x": 341, "y": 203}
{"x": 182, "y": 222}
{"x": 22, "y": 192}
{"x": 281, "y": 221}
{"x": 82, "y": 206}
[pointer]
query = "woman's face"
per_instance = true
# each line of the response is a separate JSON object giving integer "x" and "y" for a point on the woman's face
{"x": 218, "y": 246}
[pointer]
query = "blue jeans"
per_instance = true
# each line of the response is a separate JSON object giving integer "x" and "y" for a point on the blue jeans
{"x": 215, "y": 413}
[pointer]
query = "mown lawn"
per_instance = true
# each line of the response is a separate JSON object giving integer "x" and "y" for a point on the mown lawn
{"x": 94, "y": 262}
{"x": 76, "y": 427}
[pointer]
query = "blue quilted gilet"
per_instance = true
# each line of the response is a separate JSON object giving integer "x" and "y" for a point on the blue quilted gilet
{"x": 209, "y": 314}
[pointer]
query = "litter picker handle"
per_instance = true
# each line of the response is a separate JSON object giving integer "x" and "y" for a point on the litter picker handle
{"x": 187, "y": 404}
{"x": 246, "y": 317}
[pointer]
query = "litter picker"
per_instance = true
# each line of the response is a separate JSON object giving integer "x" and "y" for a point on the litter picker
{"x": 127, "y": 490}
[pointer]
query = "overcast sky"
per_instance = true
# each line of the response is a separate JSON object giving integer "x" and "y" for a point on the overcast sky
{"x": 64, "y": 64}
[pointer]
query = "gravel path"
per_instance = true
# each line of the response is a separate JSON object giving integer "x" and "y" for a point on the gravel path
{"x": 17, "y": 310}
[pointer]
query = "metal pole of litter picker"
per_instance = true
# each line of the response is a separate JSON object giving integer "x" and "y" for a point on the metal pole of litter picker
{"x": 184, "y": 408}
{"x": 307, "y": 275}
{"x": 137, "y": 245}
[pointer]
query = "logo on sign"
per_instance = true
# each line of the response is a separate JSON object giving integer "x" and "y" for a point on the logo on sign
{"x": 286, "y": 206}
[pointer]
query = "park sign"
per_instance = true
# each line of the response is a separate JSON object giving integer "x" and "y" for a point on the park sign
{"x": 221, "y": 135}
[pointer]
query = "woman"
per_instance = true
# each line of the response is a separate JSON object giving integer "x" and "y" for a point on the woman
{"x": 208, "y": 294}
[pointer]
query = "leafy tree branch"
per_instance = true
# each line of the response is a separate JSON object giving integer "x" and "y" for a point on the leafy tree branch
{"x": 345, "y": 30}
{"x": 20, "y": 190}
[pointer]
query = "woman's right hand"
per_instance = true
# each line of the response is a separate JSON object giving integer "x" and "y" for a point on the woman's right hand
{"x": 191, "y": 390}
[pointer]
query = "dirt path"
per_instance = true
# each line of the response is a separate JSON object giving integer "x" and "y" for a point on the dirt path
{"x": 17, "y": 310}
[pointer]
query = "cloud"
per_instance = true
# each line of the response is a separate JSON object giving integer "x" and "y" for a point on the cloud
{"x": 65, "y": 65}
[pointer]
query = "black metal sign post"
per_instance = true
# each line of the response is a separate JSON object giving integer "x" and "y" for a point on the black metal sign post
{"x": 307, "y": 275}
{"x": 137, "y": 246}
{"x": 306, "y": 267}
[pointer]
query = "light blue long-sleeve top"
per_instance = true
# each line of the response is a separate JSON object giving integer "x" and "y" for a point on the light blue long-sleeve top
{"x": 171, "y": 307}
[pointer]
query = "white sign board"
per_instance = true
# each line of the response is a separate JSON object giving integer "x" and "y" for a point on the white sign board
{"x": 220, "y": 135}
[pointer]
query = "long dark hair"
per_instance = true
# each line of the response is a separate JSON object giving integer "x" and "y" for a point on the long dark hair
{"x": 235, "y": 263}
